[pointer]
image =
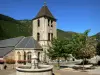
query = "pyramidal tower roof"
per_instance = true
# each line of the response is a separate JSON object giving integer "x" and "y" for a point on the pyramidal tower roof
{"x": 44, "y": 12}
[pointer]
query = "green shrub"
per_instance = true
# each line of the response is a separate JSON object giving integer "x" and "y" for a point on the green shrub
{"x": 86, "y": 62}
{"x": 98, "y": 63}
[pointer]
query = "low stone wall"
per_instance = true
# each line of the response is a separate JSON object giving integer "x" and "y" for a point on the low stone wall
{"x": 9, "y": 66}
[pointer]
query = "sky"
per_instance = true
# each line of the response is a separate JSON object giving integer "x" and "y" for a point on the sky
{"x": 71, "y": 15}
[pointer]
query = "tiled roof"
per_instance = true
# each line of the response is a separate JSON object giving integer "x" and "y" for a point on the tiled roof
{"x": 5, "y": 50}
{"x": 10, "y": 42}
{"x": 20, "y": 42}
{"x": 29, "y": 42}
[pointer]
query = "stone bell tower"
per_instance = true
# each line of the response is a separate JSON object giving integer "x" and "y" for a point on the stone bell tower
{"x": 44, "y": 29}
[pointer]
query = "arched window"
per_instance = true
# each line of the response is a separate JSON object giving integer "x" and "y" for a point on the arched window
{"x": 38, "y": 22}
{"x": 51, "y": 23}
{"x": 29, "y": 57}
{"x": 38, "y": 56}
{"x": 19, "y": 55}
{"x": 38, "y": 36}
{"x": 24, "y": 55}
{"x": 48, "y": 36}
{"x": 48, "y": 22}
{"x": 51, "y": 36}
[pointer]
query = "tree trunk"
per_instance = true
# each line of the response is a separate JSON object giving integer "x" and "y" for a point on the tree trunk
{"x": 83, "y": 63}
{"x": 65, "y": 58}
{"x": 58, "y": 62}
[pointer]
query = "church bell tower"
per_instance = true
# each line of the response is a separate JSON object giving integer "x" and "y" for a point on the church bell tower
{"x": 44, "y": 29}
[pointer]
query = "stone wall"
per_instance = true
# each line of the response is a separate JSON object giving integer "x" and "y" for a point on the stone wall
{"x": 10, "y": 55}
{"x": 44, "y": 29}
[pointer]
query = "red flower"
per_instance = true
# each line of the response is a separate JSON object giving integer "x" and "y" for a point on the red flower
{"x": 21, "y": 61}
{"x": 10, "y": 61}
{"x": 1, "y": 61}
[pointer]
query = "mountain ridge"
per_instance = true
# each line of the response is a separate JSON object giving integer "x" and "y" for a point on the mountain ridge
{"x": 10, "y": 28}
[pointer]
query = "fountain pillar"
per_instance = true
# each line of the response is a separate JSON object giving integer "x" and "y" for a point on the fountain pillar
{"x": 34, "y": 60}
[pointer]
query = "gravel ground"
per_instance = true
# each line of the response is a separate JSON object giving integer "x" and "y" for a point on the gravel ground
{"x": 7, "y": 72}
{"x": 95, "y": 71}
{"x": 65, "y": 72}
{"x": 56, "y": 72}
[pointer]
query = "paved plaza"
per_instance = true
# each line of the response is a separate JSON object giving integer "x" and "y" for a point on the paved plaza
{"x": 8, "y": 72}
{"x": 57, "y": 72}
{"x": 64, "y": 72}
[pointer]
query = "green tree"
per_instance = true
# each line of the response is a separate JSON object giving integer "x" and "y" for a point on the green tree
{"x": 83, "y": 46}
{"x": 55, "y": 51}
{"x": 98, "y": 48}
{"x": 67, "y": 46}
{"x": 58, "y": 50}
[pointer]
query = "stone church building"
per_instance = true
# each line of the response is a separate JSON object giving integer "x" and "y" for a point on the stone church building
{"x": 21, "y": 48}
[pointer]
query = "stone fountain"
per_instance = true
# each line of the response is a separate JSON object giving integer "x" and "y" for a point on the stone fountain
{"x": 35, "y": 68}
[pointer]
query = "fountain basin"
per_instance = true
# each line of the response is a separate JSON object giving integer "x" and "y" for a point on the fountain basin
{"x": 42, "y": 70}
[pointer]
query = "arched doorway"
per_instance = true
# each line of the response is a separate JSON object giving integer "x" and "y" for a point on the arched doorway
{"x": 38, "y": 56}
{"x": 19, "y": 55}
{"x": 29, "y": 57}
{"x": 25, "y": 57}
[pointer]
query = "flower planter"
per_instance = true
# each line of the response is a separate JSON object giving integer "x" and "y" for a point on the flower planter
{"x": 10, "y": 61}
{"x": 21, "y": 61}
{"x": 1, "y": 61}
